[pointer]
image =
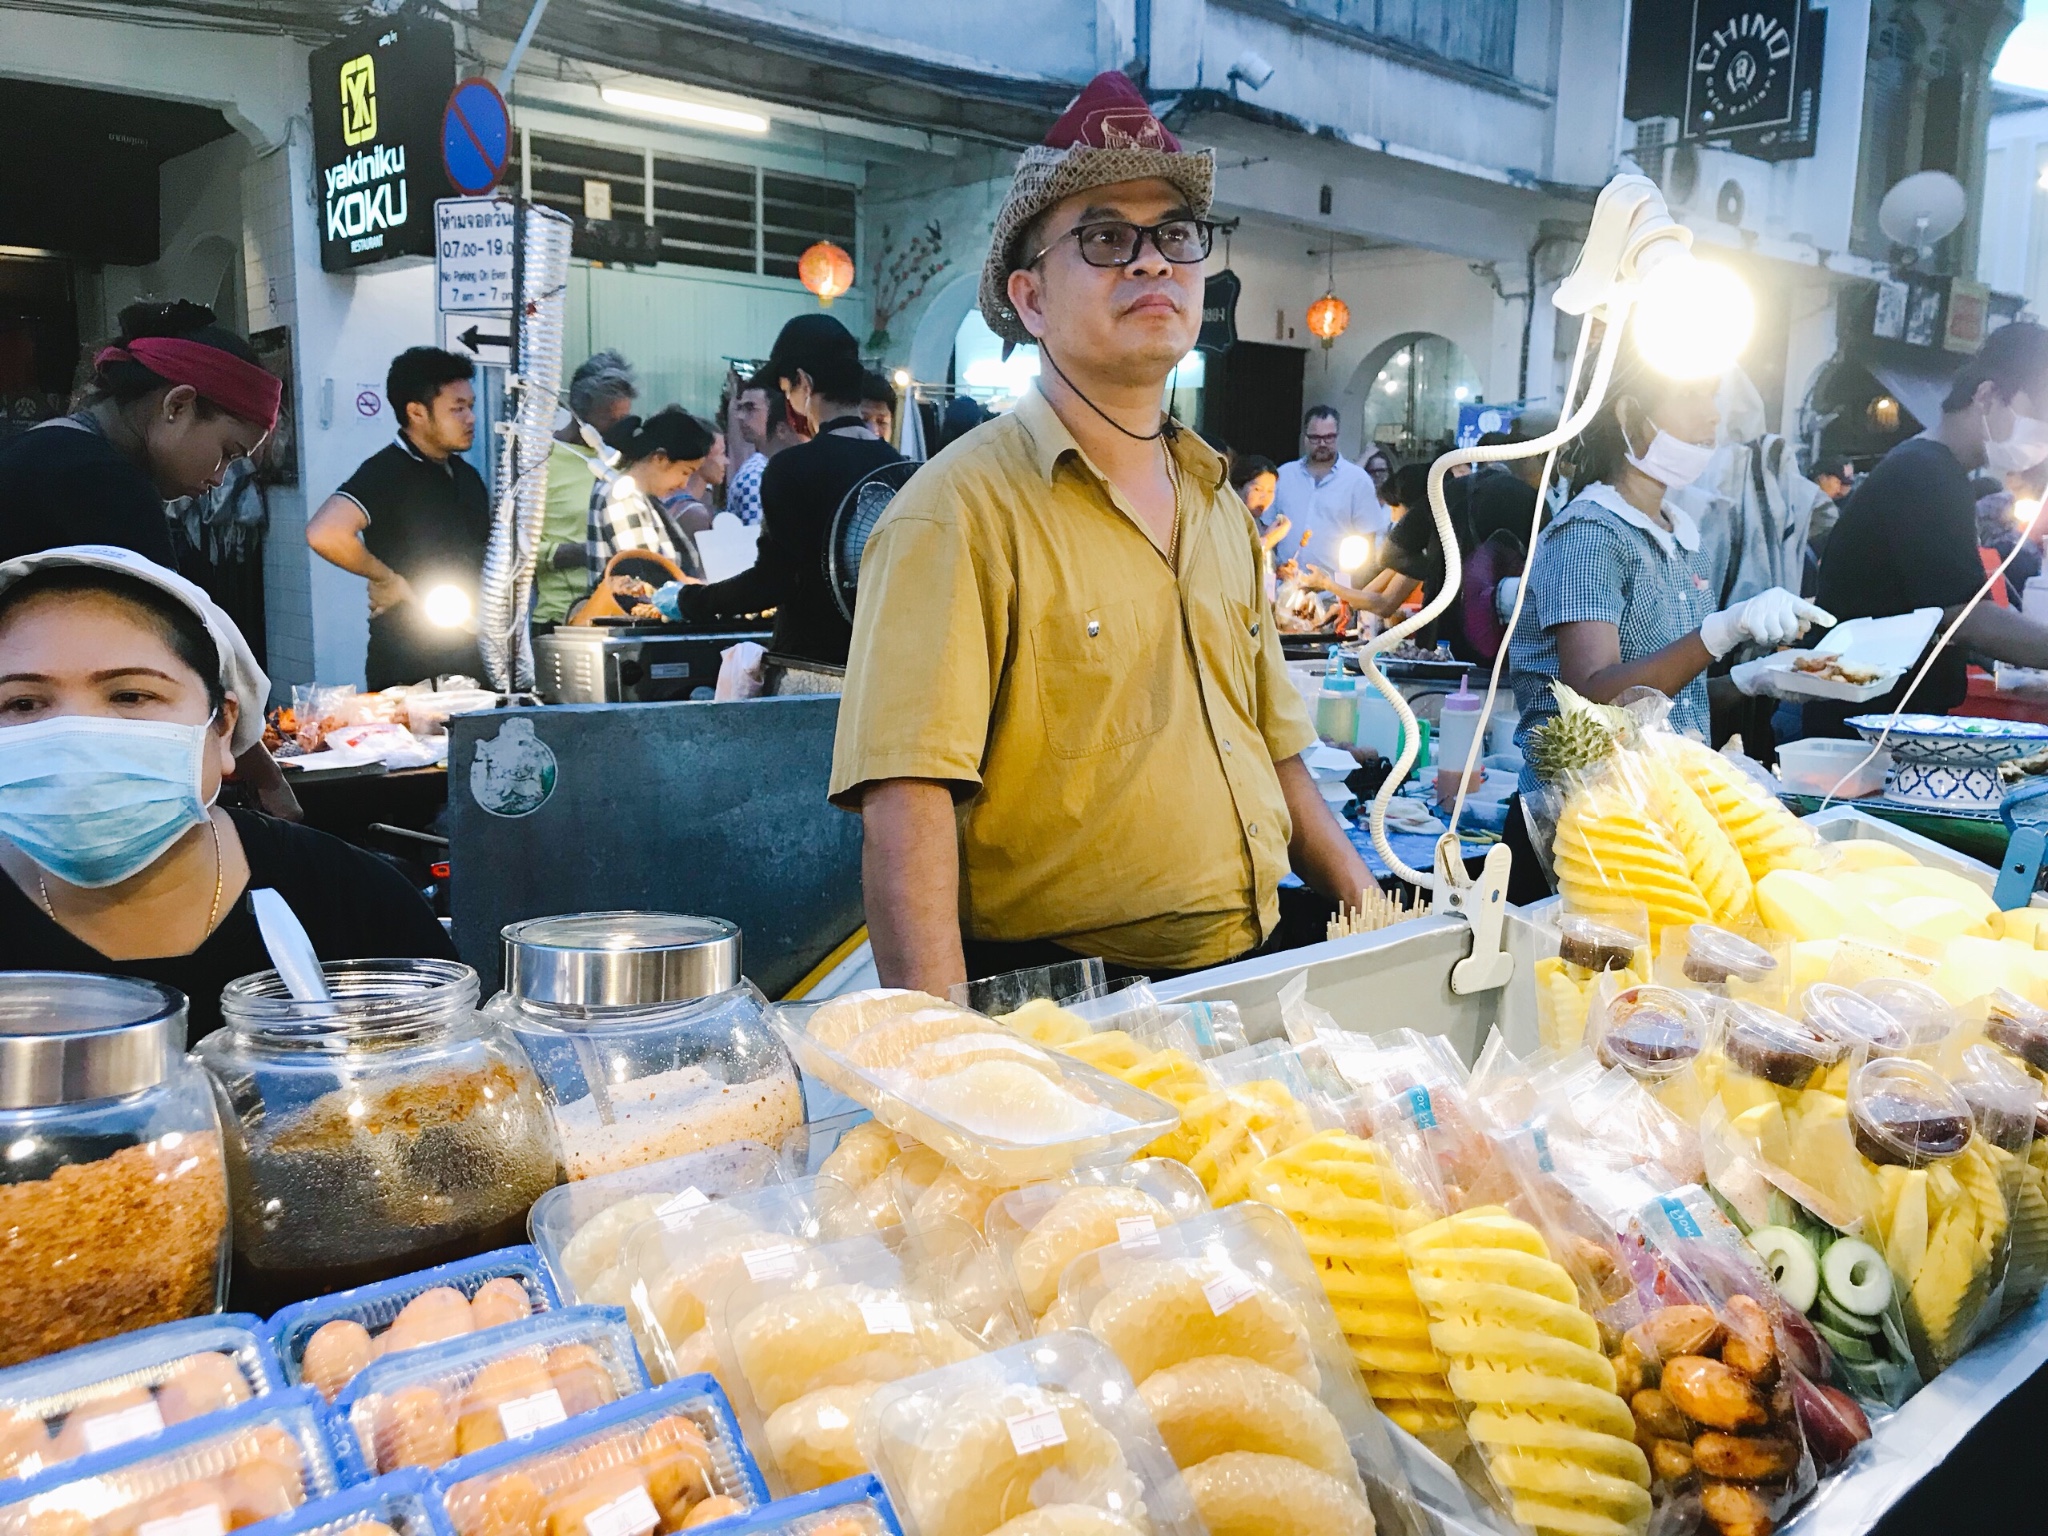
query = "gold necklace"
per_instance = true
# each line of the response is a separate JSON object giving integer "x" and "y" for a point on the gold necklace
{"x": 212, "y": 912}
{"x": 1173, "y": 478}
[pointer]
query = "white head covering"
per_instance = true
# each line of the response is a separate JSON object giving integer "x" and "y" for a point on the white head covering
{"x": 239, "y": 674}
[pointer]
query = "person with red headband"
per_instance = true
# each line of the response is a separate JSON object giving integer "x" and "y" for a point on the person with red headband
{"x": 175, "y": 399}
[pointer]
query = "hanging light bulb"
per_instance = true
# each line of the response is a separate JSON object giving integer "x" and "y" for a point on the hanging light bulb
{"x": 447, "y": 606}
{"x": 1355, "y": 550}
{"x": 1692, "y": 318}
{"x": 826, "y": 270}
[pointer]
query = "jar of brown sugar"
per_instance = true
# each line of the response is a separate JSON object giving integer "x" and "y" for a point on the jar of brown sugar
{"x": 383, "y": 1131}
{"x": 113, "y": 1196}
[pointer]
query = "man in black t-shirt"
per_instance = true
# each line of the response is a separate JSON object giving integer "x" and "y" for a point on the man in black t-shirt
{"x": 413, "y": 521}
{"x": 816, "y": 365}
{"x": 1907, "y": 537}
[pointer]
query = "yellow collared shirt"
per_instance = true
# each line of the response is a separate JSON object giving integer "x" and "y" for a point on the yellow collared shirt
{"x": 1109, "y": 727}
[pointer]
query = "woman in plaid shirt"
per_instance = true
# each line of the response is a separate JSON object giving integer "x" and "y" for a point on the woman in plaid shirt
{"x": 656, "y": 459}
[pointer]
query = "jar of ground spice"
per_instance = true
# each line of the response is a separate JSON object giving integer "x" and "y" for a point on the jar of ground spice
{"x": 113, "y": 1195}
{"x": 387, "y": 1129}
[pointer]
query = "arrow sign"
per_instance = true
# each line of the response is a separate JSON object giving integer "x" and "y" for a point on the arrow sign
{"x": 476, "y": 340}
{"x": 485, "y": 339}
{"x": 476, "y": 137}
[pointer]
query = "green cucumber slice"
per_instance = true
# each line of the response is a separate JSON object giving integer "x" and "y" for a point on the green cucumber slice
{"x": 1895, "y": 1334}
{"x": 1857, "y": 1276}
{"x": 1835, "y": 1315}
{"x": 1794, "y": 1266}
{"x": 1847, "y": 1345}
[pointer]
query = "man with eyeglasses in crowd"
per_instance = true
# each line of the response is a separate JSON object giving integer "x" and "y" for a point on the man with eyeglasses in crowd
{"x": 1067, "y": 726}
{"x": 1325, "y": 495}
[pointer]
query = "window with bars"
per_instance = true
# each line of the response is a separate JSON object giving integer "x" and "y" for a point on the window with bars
{"x": 1476, "y": 32}
{"x": 733, "y": 218}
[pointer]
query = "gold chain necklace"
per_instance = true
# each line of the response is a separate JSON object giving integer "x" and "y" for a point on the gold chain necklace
{"x": 1173, "y": 477}
{"x": 212, "y": 912}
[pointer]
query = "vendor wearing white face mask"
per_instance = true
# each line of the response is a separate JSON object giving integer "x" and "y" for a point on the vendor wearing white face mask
{"x": 122, "y": 704}
{"x": 1908, "y": 533}
{"x": 1619, "y": 594}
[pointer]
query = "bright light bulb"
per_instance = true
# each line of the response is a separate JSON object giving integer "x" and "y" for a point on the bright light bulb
{"x": 447, "y": 606}
{"x": 700, "y": 112}
{"x": 1400, "y": 359}
{"x": 1462, "y": 393}
{"x": 2025, "y": 511}
{"x": 1392, "y": 386}
{"x": 1692, "y": 317}
{"x": 1353, "y": 552}
{"x": 901, "y": 378}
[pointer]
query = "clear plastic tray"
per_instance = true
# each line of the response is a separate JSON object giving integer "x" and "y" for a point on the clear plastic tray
{"x": 402, "y": 1504}
{"x": 648, "y": 1463}
{"x": 1056, "y": 1422}
{"x": 855, "y": 1507}
{"x": 984, "y": 1137}
{"x": 580, "y": 1229}
{"x": 1038, "y": 1230}
{"x": 98, "y": 1396}
{"x": 369, "y": 1311}
{"x": 427, "y": 1406}
{"x": 261, "y": 1460}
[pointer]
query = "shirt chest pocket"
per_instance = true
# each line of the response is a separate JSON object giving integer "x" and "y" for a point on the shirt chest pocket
{"x": 1104, "y": 678}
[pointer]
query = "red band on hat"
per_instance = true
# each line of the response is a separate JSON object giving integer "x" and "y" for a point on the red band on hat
{"x": 239, "y": 388}
{"x": 1110, "y": 114}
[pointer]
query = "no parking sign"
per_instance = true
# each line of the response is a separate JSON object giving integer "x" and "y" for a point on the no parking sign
{"x": 476, "y": 137}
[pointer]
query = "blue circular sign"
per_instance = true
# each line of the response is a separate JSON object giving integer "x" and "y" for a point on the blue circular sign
{"x": 476, "y": 137}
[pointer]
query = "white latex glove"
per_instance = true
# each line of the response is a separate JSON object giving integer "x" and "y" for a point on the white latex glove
{"x": 1772, "y": 618}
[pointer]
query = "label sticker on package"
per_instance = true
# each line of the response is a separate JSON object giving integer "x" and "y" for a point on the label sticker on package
{"x": 777, "y": 1263}
{"x": 1137, "y": 1231}
{"x": 206, "y": 1520}
{"x": 1681, "y": 1219}
{"x": 1227, "y": 1290}
{"x": 630, "y": 1514}
{"x": 689, "y": 1200}
{"x": 1420, "y": 1110}
{"x": 120, "y": 1427}
{"x": 523, "y": 1415}
{"x": 887, "y": 1316}
{"x": 1038, "y": 1428}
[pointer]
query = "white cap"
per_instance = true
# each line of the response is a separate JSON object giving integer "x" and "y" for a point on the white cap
{"x": 239, "y": 674}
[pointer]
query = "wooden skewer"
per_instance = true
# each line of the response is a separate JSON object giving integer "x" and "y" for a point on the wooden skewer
{"x": 1374, "y": 910}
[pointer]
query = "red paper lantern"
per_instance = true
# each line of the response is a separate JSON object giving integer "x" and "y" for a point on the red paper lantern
{"x": 826, "y": 270}
{"x": 1327, "y": 318}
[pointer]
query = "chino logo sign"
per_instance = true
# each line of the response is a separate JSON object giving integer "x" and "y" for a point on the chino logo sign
{"x": 377, "y": 99}
{"x": 1742, "y": 65}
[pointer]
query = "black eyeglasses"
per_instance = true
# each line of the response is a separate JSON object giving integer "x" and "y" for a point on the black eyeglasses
{"x": 1115, "y": 243}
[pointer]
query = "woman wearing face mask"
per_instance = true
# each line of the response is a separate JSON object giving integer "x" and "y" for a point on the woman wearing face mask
{"x": 1619, "y": 594}
{"x": 121, "y": 705}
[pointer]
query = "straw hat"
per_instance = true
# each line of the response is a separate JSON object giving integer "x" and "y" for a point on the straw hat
{"x": 1107, "y": 135}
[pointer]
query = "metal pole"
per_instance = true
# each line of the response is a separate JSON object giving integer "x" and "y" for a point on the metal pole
{"x": 519, "y": 48}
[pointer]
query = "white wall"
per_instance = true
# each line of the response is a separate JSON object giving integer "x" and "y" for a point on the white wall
{"x": 2011, "y": 249}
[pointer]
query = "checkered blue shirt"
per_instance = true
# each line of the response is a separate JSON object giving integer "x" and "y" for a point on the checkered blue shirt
{"x": 1603, "y": 560}
{"x": 743, "y": 490}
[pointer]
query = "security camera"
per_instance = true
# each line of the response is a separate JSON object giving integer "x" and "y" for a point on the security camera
{"x": 1251, "y": 68}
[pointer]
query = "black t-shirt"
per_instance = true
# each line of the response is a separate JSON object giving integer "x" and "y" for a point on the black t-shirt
{"x": 354, "y": 908}
{"x": 1498, "y": 501}
{"x": 62, "y": 484}
{"x": 1907, "y": 539}
{"x": 800, "y": 492}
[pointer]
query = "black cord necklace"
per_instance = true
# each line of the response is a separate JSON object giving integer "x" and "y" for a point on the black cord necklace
{"x": 1169, "y": 429}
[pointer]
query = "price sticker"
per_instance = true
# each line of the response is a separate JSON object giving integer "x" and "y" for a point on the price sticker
{"x": 1137, "y": 1231}
{"x": 524, "y": 1415}
{"x": 889, "y": 1316}
{"x": 672, "y": 1211}
{"x": 1038, "y": 1427}
{"x": 1227, "y": 1290}
{"x": 1420, "y": 1110}
{"x": 120, "y": 1427}
{"x": 777, "y": 1263}
{"x": 630, "y": 1514}
{"x": 206, "y": 1520}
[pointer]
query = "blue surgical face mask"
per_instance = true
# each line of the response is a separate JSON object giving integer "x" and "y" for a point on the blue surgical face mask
{"x": 95, "y": 800}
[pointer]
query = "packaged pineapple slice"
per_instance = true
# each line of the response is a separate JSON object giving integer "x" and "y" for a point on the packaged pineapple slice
{"x": 1572, "y": 953}
{"x": 2003, "y": 1098}
{"x": 1764, "y": 833}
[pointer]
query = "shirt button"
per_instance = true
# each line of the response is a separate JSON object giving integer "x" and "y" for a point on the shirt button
{"x": 1253, "y": 829}
{"x": 1094, "y": 628}
{"x": 1255, "y": 629}
{"x": 1226, "y": 746}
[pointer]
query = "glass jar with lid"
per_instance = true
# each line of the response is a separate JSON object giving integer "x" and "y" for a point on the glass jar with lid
{"x": 388, "y": 1129}
{"x": 648, "y": 1042}
{"x": 113, "y": 1189}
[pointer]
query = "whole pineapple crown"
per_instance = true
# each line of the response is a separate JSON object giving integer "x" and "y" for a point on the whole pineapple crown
{"x": 1579, "y": 735}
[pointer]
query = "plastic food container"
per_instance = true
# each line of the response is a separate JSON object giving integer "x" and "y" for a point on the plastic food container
{"x": 1037, "y": 1231}
{"x": 1763, "y": 1044}
{"x": 115, "y": 1200}
{"x": 1650, "y": 1032}
{"x": 648, "y": 1043}
{"x": 855, "y": 1507}
{"x": 391, "y": 1129}
{"x": 967, "y": 1449}
{"x": 1904, "y": 1114}
{"x": 1815, "y": 767}
{"x": 325, "y": 1342}
{"x": 98, "y": 1396}
{"x": 995, "y": 1106}
{"x": 2016, "y": 1025}
{"x": 1756, "y": 965}
{"x": 654, "y": 1462}
{"x": 427, "y": 1406}
{"x": 1858, "y": 1023}
{"x": 253, "y": 1463}
{"x": 402, "y": 1504}
{"x": 2000, "y": 1096}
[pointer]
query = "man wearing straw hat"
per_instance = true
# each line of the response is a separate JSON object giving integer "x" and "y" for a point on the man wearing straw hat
{"x": 1067, "y": 726}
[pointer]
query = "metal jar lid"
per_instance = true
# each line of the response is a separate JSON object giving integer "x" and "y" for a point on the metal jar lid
{"x": 68, "y": 1037}
{"x": 620, "y": 959}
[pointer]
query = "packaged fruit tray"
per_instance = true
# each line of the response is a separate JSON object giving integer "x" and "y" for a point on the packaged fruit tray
{"x": 855, "y": 1507}
{"x": 401, "y": 1504}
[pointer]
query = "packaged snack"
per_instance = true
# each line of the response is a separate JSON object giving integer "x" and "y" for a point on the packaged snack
{"x": 1226, "y": 1329}
{"x": 855, "y": 1507}
{"x": 1753, "y": 963}
{"x": 1067, "y": 982}
{"x": 996, "y": 1106}
{"x": 1661, "y": 1036}
{"x": 223, "y": 1471}
{"x": 1037, "y": 1231}
{"x": 675, "y": 1264}
{"x": 1571, "y": 952}
{"x": 428, "y": 1406}
{"x": 1860, "y": 1027}
{"x": 324, "y": 1342}
{"x": 1928, "y": 1019}
{"x": 662, "y": 1461}
{"x": 2003, "y": 1100}
{"x": 400, "y": 1504}
{"x": 102, "y": 1395}
{"x": 805, "y": 1338}
{"x": 1262, "y": 1103}
{"x": 1048, "y": 1435}
{"x": 1766, "y": 835}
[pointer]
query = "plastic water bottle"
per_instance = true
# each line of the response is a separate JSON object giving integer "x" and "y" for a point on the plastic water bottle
{"x": 1457, "y": 727}
{"x": 1337, "y": 702}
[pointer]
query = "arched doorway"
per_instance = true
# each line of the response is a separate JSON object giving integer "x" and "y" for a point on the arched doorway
{"x": 931, "y": 344}
{"x": 1407, "y": 393}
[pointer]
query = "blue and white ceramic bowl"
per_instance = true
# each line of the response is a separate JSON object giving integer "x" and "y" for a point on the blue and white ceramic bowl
{"x": 1950, "y": 762}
